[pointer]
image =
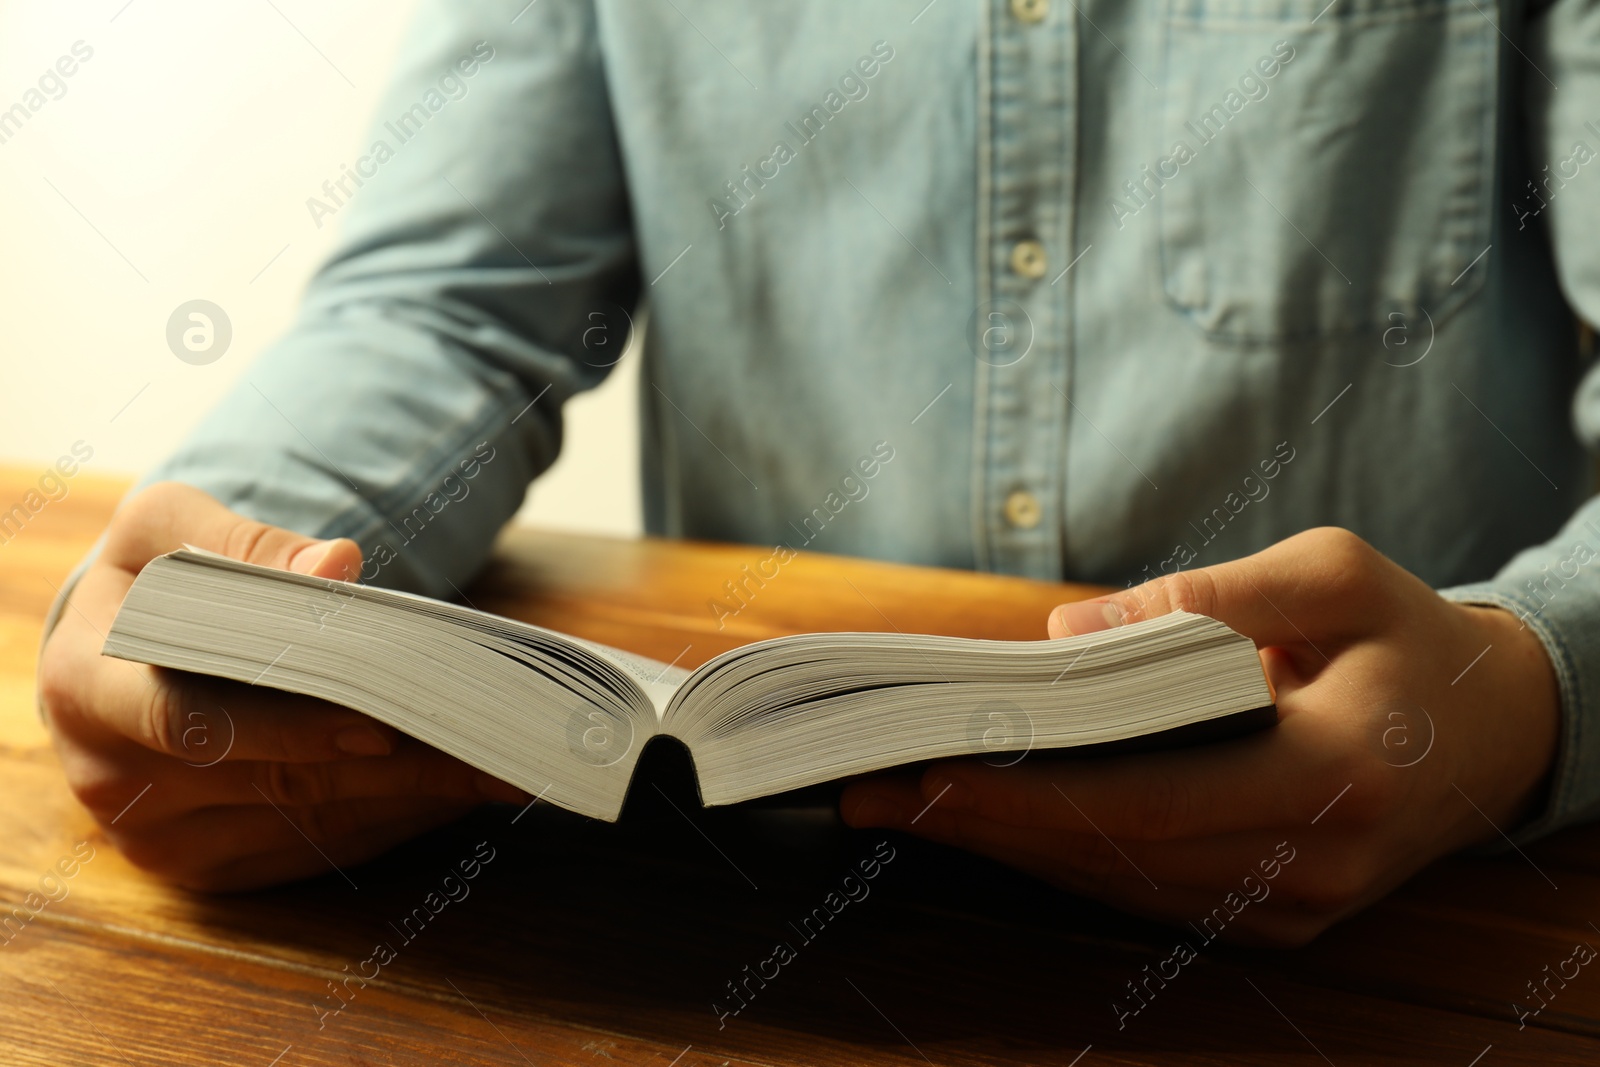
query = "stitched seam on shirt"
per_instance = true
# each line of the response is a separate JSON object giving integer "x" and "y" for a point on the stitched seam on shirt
{"x": 978, "y": 488}
{"x": 1299, "y": 22}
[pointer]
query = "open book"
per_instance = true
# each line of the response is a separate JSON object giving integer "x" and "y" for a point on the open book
{"x": 566, "y": 719}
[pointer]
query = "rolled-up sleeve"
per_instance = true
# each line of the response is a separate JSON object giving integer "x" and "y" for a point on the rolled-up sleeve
{"x": 485, "y": 270}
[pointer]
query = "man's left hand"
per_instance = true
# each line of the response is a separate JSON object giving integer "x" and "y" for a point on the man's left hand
{"x": 1409, "y": 726}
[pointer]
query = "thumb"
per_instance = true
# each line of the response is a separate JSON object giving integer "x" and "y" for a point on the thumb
{"x": 339, "y": 558}
{"x": 168, "y": 515}
{"x": 1257, "y": 596}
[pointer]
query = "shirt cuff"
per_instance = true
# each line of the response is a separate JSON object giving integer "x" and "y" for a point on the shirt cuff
{"x": 1569, "y": 629}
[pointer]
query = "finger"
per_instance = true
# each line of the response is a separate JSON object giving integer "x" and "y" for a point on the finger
{"x": 204, "y": 720}
{"x": 180, "y": 715}
{"x": 1091, "y": 861}
{"x": 102, "y": 701}
{"x": 1203, "y": 912}
{"x": 168, "y": 515}
{"x": 1215, "y": 889}
{"x": 415, "y": 770}
{"x": 366, "y": 843}
{"x": 228, "y": 848}
{"x": 1325, "y": 581}
{"x": 1284, "y": 776}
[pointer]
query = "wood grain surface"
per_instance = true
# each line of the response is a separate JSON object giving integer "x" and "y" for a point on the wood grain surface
{"x": 587, "y": 943}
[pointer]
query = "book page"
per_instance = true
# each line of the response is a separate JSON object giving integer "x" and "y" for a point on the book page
{"x": 517, "y": 702}
{"x": 658, "y": 680}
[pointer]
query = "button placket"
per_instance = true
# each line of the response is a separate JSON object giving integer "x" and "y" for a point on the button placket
{"x": 1030, "y": 10}
{"x": 1028, "y": 259}
{"x": 1022, "y": 509}
{"x": 1027, "y": 196}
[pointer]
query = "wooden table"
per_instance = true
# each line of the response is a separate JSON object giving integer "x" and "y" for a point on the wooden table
{"x": 587, "y": 943}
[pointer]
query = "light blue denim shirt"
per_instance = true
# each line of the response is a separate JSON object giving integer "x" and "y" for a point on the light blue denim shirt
{"x": 1093, "y": 290}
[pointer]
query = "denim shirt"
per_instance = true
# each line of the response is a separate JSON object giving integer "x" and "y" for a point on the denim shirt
{"x": 1086, "y": 291}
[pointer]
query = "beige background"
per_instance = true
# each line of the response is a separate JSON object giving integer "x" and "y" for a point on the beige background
{"x": 190, "y": 141}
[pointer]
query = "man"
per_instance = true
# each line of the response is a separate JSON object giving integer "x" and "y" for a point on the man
{"x": 1270, "y": 307}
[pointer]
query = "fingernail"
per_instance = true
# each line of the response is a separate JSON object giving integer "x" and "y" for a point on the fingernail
{"x": 1087, "y": 617}
{"x": 362, "y": 741}
{"x": 495, "y": 789}
{"x": 947, "y": 793}
{"x": 310, "y": 557}
{"x": 876, "y": 810}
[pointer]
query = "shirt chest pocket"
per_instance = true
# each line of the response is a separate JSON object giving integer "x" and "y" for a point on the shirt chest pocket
{"x": 1319, "y": 172}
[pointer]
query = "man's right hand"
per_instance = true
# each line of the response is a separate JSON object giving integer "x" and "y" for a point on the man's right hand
{"x": 215, "y": 784}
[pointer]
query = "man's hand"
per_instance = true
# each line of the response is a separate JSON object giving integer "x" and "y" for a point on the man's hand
{"x": 214, "y": 784}
{"x": 1410, "y": 726}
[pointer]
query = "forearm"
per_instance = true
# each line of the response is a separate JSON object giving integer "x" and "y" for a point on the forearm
{"x": 382, "y": 432}
{"x": 421, "y": 388}
{"x": 1553, "y": 589}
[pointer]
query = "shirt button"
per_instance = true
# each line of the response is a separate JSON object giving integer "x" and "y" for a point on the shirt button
{"x": 1027, "y": 259}
{"x": 1022, "y": 509}
{"x": 1030, "y": 10}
